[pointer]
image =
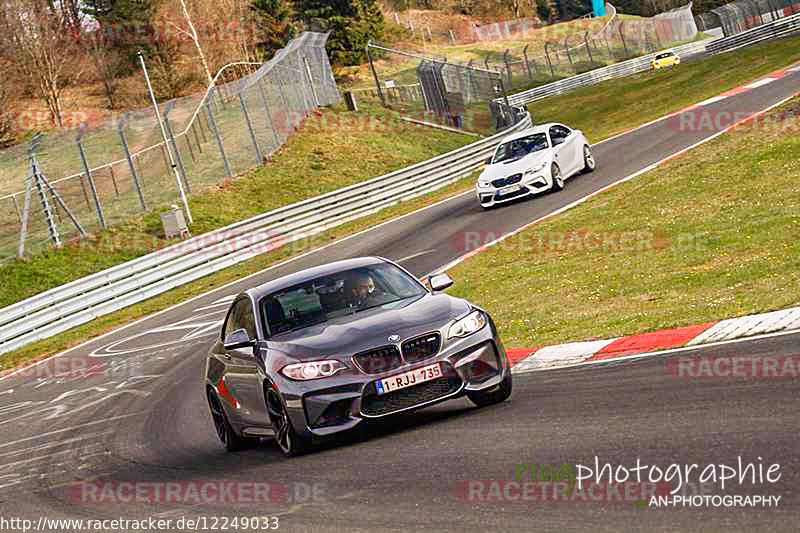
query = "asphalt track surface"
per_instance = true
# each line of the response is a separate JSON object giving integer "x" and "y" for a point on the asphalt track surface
{"x": 144, "y": 418}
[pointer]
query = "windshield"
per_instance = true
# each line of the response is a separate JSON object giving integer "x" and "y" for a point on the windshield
{"x": 328, "y": 297}
{"x": 521, "y": 147}
{"x": 664, "y": 55}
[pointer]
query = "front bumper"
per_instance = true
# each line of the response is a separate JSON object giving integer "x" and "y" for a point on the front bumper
{"x": 535, "y": 184}
{"x": 339, "y": 403}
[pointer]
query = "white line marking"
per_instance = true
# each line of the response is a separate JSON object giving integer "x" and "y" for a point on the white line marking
{"x": 794, "y": 69}
{"x": 39, "y": 436}
{"x": 579, "y": 201}
{"x": 759, "y": 83}
{"x": 54, "y": 444}
{"x": 39, "y": 458}
{"x": 573, "y": 352}
{"x": 711, "y": 100}
{"x": 412, "y": 256}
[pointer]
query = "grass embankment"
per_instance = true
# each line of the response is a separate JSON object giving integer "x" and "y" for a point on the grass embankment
{"x": 617, "y": 105}
{"x": 317, "y": 159}
{"x": 723, "y": 225}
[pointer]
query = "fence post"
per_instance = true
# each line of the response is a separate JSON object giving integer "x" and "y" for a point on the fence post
{"x": 547, "y": 56}
{"x": 508, "y": 68}
{"x": 88, "y": 172}
{"x": 566, "y": 48}
{"x": 527, "y": 65}
{"x": 259, "y": 156}
{"x": 622, "y": 36}
{"x": 588, "y": 48}
{"x": 171, "y": 137}
{"x": 212, "y": 125}
{"x": 197, "y": 125}
{"x": 375, "y": 72}
{"x": 16, "y": 207}
{"x": 311, "y": 82}
{"x": 270, "y": 120}
{"x": 26, "y": 206}
{"x": 121, "y": 129}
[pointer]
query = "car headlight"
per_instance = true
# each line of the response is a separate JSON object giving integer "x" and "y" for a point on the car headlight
{"x": 467, "y": 325}
{"x": 312, "y": 370}
{"x": 536, "y": 168}
{"x": 483, "y": 183}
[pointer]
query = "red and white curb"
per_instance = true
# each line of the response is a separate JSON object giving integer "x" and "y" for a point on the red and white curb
{"x": 561, "y": 355}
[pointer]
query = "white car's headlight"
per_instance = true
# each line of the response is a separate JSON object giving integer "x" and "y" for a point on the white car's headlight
{"x": 467, "y": 325}
{"x": 312, "y": 370}
{"x": 536, "y": 168}
{"x": 482, "y": 183}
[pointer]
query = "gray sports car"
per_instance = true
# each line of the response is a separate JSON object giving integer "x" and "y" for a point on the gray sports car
{"x": 320, "y": 351}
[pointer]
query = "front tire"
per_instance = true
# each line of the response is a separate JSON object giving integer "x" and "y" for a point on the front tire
{"x": 589, "y": 163}
{"x": 289, "y": 441}
{"x": 558, "y": 179}
{"x": 227, "y": 435}
{"x": 493, "y": 396}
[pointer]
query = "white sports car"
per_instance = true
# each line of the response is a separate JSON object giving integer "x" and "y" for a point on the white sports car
{"x": 535, "y": 160}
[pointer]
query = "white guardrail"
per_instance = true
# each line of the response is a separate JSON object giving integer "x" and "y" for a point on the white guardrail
{"x": 83, "y": 300}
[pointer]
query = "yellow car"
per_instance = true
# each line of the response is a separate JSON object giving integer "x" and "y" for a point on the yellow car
{"x": 665, "y": 59}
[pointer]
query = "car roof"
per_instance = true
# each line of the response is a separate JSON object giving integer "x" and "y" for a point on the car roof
{"x": 539, "y": 128}
{"x": 311, "y": 273}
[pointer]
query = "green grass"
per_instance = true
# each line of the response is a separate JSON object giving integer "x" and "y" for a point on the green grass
{"x": 617, "y": 105}
{"x": 723, "y": 224}
{"x": 313, "y": 162}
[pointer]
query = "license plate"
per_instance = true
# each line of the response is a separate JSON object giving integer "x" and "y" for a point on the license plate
{"x": 408, "y": 379}
{"x": 508, "y": 190}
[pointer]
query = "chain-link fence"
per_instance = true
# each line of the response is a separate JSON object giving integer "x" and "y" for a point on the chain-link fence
{"x": 549, "y": 53}
{"x": 742, "y": 15}
{"x": 104, "y": 176}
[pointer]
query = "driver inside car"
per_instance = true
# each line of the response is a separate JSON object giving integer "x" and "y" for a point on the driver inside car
{"x": 363, "y": 292}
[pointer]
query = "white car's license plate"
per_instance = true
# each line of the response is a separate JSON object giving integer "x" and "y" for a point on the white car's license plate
{"x": 509, "y": 189}
{"x": 408, "y": 379}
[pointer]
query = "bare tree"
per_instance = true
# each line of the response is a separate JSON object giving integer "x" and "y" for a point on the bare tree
{"x": 36, "y": 41}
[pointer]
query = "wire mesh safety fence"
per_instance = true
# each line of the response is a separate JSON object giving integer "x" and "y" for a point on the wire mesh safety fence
{"x": 104, "y": 174}
{"x": 539, "y": 55}
{"x": 742, "y": 15}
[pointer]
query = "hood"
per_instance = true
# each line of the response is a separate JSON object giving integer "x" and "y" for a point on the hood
{"x": 347, "y": 335}
{"x": 507, "y": 168}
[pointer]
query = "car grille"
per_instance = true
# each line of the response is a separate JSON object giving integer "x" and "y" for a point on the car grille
{"x": 510, "y": 180}
{"x": 420, "y": 348}
{"x": 378, "y": 360}
{"x": 375, "y": 405}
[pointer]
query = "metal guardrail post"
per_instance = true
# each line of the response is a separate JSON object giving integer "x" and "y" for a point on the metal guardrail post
{"x": 174, "y": 144}
{"x": 212, "y": 125}
{"x": 101, "y": 217}
{"x": 26, "y": 210}
{"x": 259, "y": 156}
{"x": 135, "y": 175}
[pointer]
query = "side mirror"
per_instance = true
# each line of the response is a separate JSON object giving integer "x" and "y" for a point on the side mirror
{"x": 489, "y": 161}
{"x": 440, "y": 282}
{"x": 238, "y": 339}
